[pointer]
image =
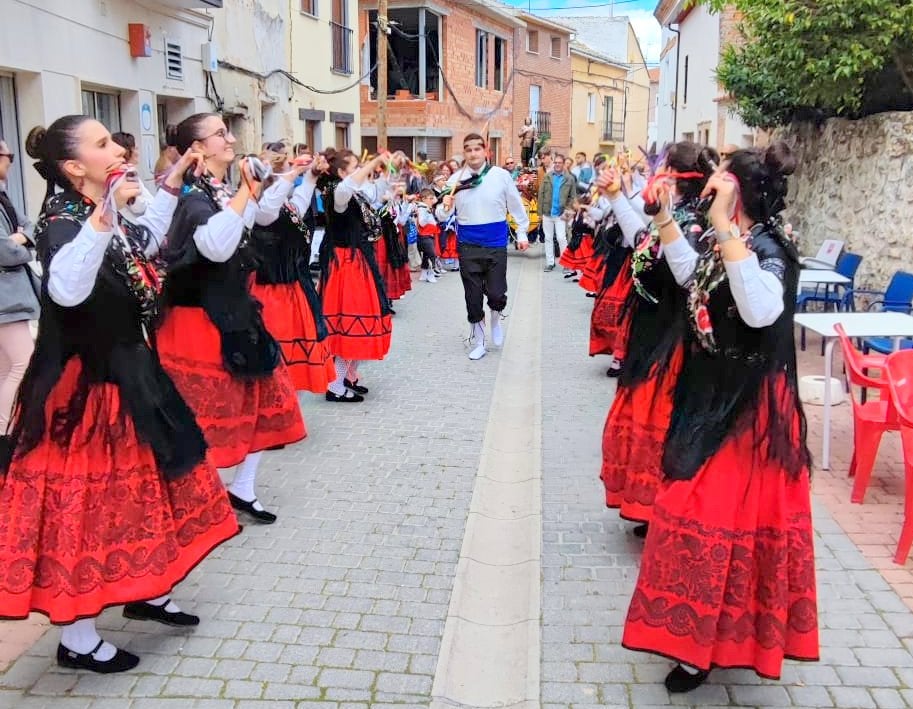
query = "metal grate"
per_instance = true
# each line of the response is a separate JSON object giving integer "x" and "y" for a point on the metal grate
{"x": 174, "y": 61}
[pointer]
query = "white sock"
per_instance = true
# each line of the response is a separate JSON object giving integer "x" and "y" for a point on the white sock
{"x": 82, "y": 637}
{"x": 338, "y": 386}
{"x": 497, "y": 334}
{"x": 165, "y": 601}
{"x": 246, "y": 478}
{"x": 689, "y": 669}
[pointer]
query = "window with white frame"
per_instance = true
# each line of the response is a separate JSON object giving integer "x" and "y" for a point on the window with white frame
{"x": 103, "y": 107}
{"x": 482, "y": 59}
{"x": 500, "y": 59}
{"x": 309, "y": 7}
{"x": 532, "y": 41}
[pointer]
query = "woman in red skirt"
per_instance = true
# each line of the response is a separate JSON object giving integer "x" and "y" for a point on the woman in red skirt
{"x": 610, "y": 320}
{"x": 283, "y": 284}
{"x": 355, "y": 303}
{"x": 637, "y": 422}
{"x": 212, "y": 339}
{"x": 106, "y": 497}
{"x": 728, "y": 572}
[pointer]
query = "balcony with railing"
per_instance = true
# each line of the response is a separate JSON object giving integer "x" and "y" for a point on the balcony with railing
{"x": 612, "y": 131}
{"x": 342, "y": 48}
{"x": 543, "y": 122}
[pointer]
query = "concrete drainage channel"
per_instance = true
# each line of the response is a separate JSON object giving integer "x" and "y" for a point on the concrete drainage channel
{"x": 490, "y": 653}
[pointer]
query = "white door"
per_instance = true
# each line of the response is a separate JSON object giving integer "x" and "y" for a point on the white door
{"x": 535, "y": 93}
{"x": 9, "y": 131}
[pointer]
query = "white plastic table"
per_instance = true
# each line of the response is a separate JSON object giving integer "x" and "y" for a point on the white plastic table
{"x": 813, "y": 276}
{"x": 894, "y": 325}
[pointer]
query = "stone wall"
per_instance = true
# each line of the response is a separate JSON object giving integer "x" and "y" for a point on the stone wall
{"x": 855, "y": 183}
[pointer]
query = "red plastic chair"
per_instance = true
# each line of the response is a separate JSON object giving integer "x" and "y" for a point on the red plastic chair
{"x": 870, "y": 418}
{"x": 899, "y": 369}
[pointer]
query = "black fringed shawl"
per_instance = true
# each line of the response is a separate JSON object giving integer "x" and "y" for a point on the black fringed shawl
{"x": 106, "y": 332}
{"x": 658, "y": 323}
{"x": 221, "y": 289}
{"x": 719, "y": 394}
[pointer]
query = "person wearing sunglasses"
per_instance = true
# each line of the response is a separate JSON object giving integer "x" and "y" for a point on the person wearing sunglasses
{"x": 18, "y": 292}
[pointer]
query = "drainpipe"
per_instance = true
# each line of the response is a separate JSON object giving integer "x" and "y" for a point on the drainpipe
{"x": 678, "y": 53}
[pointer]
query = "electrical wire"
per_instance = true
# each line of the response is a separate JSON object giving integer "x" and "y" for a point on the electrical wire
{"x": 293, "y": 79}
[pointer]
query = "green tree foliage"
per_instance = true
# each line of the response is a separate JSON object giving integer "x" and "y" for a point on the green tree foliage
{"x": 819, "y": 58}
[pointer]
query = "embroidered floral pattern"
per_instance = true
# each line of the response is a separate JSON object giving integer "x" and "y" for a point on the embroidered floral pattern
{"x": 143, "y": 275}
{"x": 648, "y": 250}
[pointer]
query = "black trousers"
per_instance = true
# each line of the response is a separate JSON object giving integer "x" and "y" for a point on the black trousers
{"x": 484, "y": 272}
{"x": 427, "y": 248}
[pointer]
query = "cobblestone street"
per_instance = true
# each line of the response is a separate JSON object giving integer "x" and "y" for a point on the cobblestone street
{"x": 343, "y": 602}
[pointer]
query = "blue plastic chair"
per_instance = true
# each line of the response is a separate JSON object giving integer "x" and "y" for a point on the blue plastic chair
{"x": 847, "y": 265}
{"x": 896, "y": 298}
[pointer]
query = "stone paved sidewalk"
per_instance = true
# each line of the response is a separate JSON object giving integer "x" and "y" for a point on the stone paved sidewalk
{"x": 590, "y": 562}
{"x": 342, "y": 603}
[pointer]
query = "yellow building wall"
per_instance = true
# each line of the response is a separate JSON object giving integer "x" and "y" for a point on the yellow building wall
{"x": 630, "y": 92}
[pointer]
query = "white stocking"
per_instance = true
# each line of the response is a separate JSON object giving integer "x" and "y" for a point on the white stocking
{"x": 338, "y": 386}
{"x": 245, "y": 479}
{"x": 82, "y": 637}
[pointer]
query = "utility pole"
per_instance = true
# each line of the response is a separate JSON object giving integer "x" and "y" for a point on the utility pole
{"x": 381, "y": 74}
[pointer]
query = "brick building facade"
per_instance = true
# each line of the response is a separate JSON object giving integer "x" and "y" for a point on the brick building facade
{"x": 454, "y": 82}
{"x": 542, "y": 85}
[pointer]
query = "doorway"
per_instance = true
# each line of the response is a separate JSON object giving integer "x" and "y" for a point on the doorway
{"x": 9, "y": 132}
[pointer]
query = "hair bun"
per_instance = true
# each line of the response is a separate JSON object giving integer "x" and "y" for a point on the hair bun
{"x": 779, "y": 159}
{"x": 35, "y": 142}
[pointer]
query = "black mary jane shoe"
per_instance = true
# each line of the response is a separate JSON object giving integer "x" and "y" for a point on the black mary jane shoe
{"x": 147, "y": 611}
{"x": 590, "y": 295}
{"x": 640, "y": 531}
{"x": 355, "y": 386}
{"x": 349, "y": 397}
{"x": 613, "y": 372}
{"x": 121, "y": 662}
{"x": 262, "y": 516}
{"x": 679, "y": 680}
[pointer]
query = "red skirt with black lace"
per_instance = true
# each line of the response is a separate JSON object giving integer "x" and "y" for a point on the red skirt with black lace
{"x": 93, "y": 523}
{"x": 608, "y": 324}
{"x": 238, "y": 416}
{"x": 632, "y": 441}
{"x": 727, "y": 577}
{"x": 288, "y": 317}
{"x": 352, "y": 308}
{"x": 577, "y": 259}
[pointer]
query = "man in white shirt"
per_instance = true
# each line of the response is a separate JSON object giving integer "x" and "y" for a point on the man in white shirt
{"x": 481, "y": 195}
